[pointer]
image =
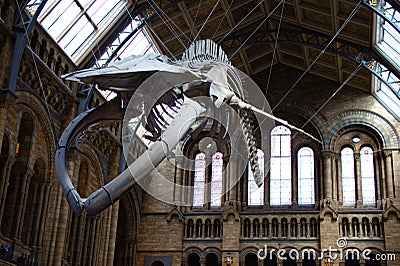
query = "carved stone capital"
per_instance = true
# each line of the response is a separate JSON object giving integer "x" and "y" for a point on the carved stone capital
{"x": 326, "y": 155}
{"x": 387, "y": 153}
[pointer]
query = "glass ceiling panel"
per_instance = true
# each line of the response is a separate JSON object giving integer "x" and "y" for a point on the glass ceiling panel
{"x": 387, "y": 43}
{"x": 77, "y": 24}
{"x": 139, "y": 43}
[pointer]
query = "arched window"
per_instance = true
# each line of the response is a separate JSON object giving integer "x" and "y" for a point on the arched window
{"x": 255, "y": 193}
{"x": 305, "y": 161}
{"x": 367, "y": 175}
{"x": 193, "y": 259}
{"x": 348, "y": 176}
{"x": 199, "y": 180}
{"x": 280, "y": 166}
{"x": 201, "y": 177}
{"x": 211, "y": 259}
{"x": 216, "y": 180}
{"x": 251, "y": 259}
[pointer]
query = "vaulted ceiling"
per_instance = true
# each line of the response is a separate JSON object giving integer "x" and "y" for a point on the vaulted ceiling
{"x": 326, "y": 38}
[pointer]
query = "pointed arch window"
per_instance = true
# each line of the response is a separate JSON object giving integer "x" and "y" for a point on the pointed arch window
{"x": 348, "y": 176}
{"x": 305, "y": 160}
{"x": 280, "y": 179}
{"x": 367, "y": 175}
{"x": 216, "y": 180}
{"x": 255, "y": 194}
{"x": 199, "y": 179}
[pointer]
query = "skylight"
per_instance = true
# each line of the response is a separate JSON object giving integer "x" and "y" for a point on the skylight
{"x": 76, "y": 25}
{"x": 139, "y": 43}
{"x": 387, "y": 43}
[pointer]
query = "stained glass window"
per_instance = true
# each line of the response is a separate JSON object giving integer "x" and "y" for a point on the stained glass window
{"x": 367, "y": 175}
{"x": 305, "y": 161}
{"x": 281, "y": 166}
{"x": 255, "y": 193}
{"x": 216, "y": 180}
{"x": 348, "y": 176}
{"x": 199, "y": 180}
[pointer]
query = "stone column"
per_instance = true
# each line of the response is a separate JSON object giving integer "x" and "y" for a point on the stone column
{"x": 389, "y": 173}
{"x": 327, "y": 161}
{"x": 233, "y": 161}
{"x": 40, "y": 215}
{"x": 47, "y": 190}
{"x": 334, "y": 177}
{"x": 383, "y": 174}
{"x": 56, "y": 196}
{"x": 4, "y": 184}
{"x": 113, "y": 233}
{"x": 266, "y": 191}
{"x": 339, "y": 178}
{"x": 114, "y": 210}
{"x": 63, "y": 210}
{"x": 377, "y": 179}
{"x": 294, "y": 183}
{"x": 21, "y": 207}
{"x": 178, "y": 182}
{"x": 358, "y": 179}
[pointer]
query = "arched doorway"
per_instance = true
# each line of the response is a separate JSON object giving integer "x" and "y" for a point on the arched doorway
{"x": 211, "y": 259}
{"x": 352, "y": 262}
{"x": 251, "y": 259}
{"x": 289, "y": 262}
{"x": 125, "y": 250}
{"x": 270, "y": 260}
{"x": 157, "y": 263}
{"x": 13, "y": 206}
{"x": 372, "y": 262}
{"x": 193, "y": 260}
{"x": 309, "y": 262}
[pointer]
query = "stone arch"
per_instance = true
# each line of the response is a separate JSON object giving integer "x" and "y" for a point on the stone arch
{"x": 5, "y": 153}
{"x": 246, "y": 251}
{"x": 88, "y": 153}
{"x": 192, "y": 250}
{"x": 31, "y": 103}
{"x": 40, "y": 167}
{"x": 309, "y": 253}
{"x": 306, "y": 112}
{"x": 127, "y": 228}
{"x": 387, "y": 133}
{"x": 212, "y": 251}
{"x": 392, "y": 210}
{"x": 37, "y": 203}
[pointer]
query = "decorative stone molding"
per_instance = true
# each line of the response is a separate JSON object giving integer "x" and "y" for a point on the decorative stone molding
{"x": 328, "y": 210}
{"x": 175, "y": 213}
{"x": 385, "y": 130}
{"x": 230, "y": 210}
